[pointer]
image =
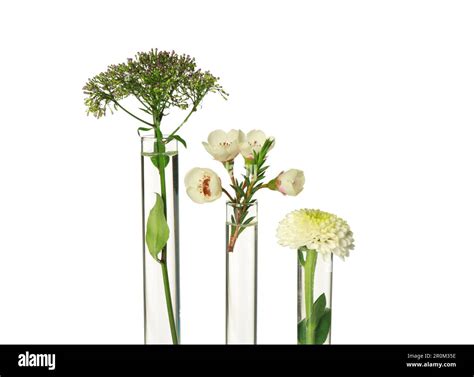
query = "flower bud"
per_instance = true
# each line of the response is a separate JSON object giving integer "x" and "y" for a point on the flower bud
{"x": 290, "y": 182}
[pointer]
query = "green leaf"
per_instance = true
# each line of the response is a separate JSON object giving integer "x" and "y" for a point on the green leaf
{"x": 238, "y": 190}
{"x": 302, "y": 332}
{"x": 143, "y": 129}
{"x": 179, "y": 139}
{"x": 157, "y": 230}
{"x": 319, "y": 322}
{"x": 324, "y": 325}
{"x": 160, "y": 159}
{"x": 246, "y": 222}
{"x": 318, "y": 310}
{"x": 247, "y": 180}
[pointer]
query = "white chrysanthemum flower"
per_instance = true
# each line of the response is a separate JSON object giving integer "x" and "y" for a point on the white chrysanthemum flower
{"x": 317, "y": 230}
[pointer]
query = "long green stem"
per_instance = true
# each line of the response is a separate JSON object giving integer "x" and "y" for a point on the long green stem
{"x": 309, "y": 272}
{"x": 161, "y": 169}
{"x": 169, "y": 304}
{"x": 131, "y": 114}
{"x": 164, "y": 267}
{"x": 193, "y": 109}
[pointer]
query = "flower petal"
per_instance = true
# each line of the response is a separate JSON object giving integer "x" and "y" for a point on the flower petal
{"x": 192, "y": 176}
{"x": 195, "y": 195}
{"x": 216, "y": 137}
{"x": 317, "y": 230}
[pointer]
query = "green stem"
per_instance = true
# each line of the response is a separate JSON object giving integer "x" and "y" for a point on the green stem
{"x": 161, "y": 150}
{"x": 169, "y": 305}
{"x": 161, "y": 169}
{"x": 166, "y": 284}
{"x": 131, "y": 114}
{"x": 193, "y": 109}
{"x": 309, "y": 272}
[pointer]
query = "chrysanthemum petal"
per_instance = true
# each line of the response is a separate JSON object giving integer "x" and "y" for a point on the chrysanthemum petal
{"x": 317, "y": 230}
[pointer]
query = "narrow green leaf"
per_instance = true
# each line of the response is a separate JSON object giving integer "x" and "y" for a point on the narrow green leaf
{"x": 255, "y": 156}
{"x": 248, "y": 221}
{"x": 245, "y": 223}
{"x": 157, "y": 230}
{"x": 324, "y": 325}
{"x": 142, "y": 129}
{"x": 238, "y": 189}
{"x": 247, "y": 180}
{"x": 179, "y": 139}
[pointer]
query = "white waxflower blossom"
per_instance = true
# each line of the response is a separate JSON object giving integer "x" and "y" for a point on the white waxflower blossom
{"x": 253, "y": 142}
{"x": 316, "y": 230}
{"x": 224, "y": 146}
{"x": 203, "y": 185}
{"x": 290, "y": 182}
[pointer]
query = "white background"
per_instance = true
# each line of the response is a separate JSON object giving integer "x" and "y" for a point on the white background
{"x": 372, "y": 99}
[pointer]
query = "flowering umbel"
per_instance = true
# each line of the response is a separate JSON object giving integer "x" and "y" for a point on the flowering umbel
{"x": 159, "y": 82}
{"x": 316, "y": 230}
